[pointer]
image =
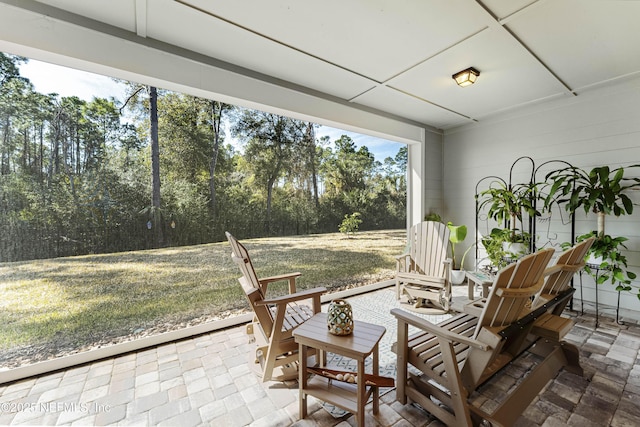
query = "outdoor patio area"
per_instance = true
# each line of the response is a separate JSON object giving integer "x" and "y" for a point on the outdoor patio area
{"x": 207, "y": 380}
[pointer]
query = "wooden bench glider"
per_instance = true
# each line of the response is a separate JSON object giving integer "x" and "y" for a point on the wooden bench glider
{"x": 423, "y": 272}
{"x": 460, "y": 354}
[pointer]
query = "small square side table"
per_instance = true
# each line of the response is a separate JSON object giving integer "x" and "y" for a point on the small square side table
{"x": 358, "y": 346}
{"x": 478, "y": 278}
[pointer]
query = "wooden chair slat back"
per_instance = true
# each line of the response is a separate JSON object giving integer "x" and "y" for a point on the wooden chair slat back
{"x": 526, "y": 274}
{"x": 558, "y": 282}
{"x": 429, "y": 244}
{"x": 250, "y": 283}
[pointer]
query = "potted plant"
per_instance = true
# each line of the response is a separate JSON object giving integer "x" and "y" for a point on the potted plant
{"x": 499, "y": 246}
{"x": 601, "y": 191}
{"x": 611, "y": 263}
{"x": 506, "y": 205}
{"x": 457, "y": 234}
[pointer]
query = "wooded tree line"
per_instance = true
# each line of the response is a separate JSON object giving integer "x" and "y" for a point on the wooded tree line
{"x": 76, "y": 176}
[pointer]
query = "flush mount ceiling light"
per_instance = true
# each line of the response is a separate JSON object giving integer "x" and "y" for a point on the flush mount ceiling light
{"x": 466, "y": 77}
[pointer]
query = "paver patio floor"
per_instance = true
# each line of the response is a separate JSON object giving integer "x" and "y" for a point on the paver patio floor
{"x": 207, "y": 380}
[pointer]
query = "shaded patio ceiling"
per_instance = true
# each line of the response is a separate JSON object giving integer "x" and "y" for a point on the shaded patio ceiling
{"x": 392, "y": 58}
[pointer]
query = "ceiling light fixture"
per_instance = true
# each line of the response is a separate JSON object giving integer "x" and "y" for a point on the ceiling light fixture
{"x": 466, "y": 77}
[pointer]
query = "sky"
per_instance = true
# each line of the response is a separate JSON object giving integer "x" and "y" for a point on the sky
{"x": 49, "y": 78}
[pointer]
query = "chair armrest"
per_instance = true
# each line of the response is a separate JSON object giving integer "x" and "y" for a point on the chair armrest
{"x": 290, "y": 277}
{"x": 564, "y": 267}
{"x": 436, "y": 330}
{"x": 519, "y": 292}
{"x": 402, "y": 261}
{"x": 399, "y": 257}
{"x": 286, "y": 299}
{"x": 280, "y": 277}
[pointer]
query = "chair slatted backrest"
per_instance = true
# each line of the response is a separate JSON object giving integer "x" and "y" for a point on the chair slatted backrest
{"x": 254, "y": 291}
{"x": 429, "y": 244}
{"x": 511, "y": 293}
{"x": 568, "y": 263}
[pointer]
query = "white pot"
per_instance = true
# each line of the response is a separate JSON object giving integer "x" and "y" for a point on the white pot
{"x": 515, "y": 250}
{"x": 457, "y": 277}
{"x": 594, "y": 260}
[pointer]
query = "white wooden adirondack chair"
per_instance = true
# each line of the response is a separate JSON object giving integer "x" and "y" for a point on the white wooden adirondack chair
{"x": 423, "y": 272}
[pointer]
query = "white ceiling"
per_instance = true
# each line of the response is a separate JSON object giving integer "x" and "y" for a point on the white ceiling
{"x": 397, "y": 56}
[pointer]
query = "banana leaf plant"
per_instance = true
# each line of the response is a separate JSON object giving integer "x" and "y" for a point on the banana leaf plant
{"x": 457, "y": 234}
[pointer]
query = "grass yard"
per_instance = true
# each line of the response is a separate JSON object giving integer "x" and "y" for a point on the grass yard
{"x": 59, "y": 306}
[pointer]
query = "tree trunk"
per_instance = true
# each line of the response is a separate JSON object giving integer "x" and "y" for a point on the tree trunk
{"x": 311, "y": 135}
{"x": 270, "y": 184}
{"x": 155, "y": 166}
{"x": 216, "y": 118}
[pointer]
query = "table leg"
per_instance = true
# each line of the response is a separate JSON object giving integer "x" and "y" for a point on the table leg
{"x": 361, "y": 394}
{"x": 302, "y": 380}
{"x": 485, "y": 290}
{"x": 376, "y": 389}
{"x": 471, "y": 285}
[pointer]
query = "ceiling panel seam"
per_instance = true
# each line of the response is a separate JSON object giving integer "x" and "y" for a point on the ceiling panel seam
{"x": 517, "y": 13}
{"x": 51, "y": 12}
{"x": 141, "y": 18}
{"x": 353, "y": 98}
{"x": 271, "y": 39}
{"x": 431, "y": 103}
{"x": 502, "y": 25}
{"x": 395, "y": 76}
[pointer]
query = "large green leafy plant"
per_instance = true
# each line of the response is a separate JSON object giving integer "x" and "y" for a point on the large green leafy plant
{"x": 508, "y": 203}
{"x": 601, "y": 191}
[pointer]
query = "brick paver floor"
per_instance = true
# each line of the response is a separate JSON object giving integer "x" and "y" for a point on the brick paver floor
{"x": 207, "y": 380}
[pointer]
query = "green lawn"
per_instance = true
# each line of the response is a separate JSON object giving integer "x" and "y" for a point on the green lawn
{"x": 67, "y": 304}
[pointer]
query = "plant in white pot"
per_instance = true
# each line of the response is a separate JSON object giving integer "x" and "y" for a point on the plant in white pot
{"x": 457, "y": 234}
{"x": 601, "y": 191}
{"x": 507, "y": 204}
{"x": 500, "y": 247}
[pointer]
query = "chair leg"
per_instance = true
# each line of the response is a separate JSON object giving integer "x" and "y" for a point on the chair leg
{"x": 445, "y": 300}
{"x": 267, "y": 368}
{"x": 401, "y": 363}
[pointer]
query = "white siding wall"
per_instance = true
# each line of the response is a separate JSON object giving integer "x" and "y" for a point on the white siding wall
{"x": 425, "y": 172}
{"x": 599, "y": 127}
{"x": 433, "y": 184}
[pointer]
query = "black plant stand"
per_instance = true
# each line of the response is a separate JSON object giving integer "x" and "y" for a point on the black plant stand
{"x": 597, "y": 269}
